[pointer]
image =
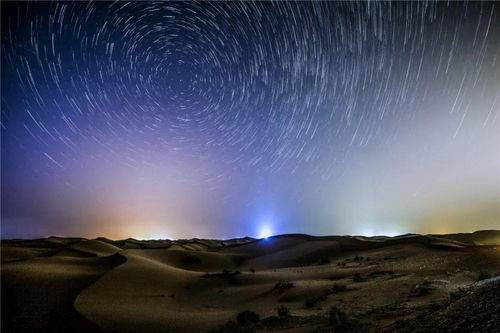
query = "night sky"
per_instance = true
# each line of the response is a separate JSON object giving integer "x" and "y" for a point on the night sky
{"x": 181, "y": 120}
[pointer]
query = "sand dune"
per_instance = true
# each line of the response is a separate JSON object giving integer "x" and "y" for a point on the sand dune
{"x": 95, "y": 247}
{"x": 482, "y": 237}
{"x": 195, "y": 285}
{"x": 137, "y": 295}
{"x": 10, "y": 254}
{"x": 38, "y": 294}
{"x": 301, "y": 254}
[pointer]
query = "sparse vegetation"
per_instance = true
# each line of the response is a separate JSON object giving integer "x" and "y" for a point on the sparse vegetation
{"x": 337, "y": 288}
{"x": 400, "y": 324}
{"x": 457, "y": 294}
{"x": 283, "y": 311}
{"x": 336, "y": 317}
{"x": 426, "y": 282}
{"x": 321, "y": 330}
{"x": 311, "y": 302}
{"x": 381, "y": 273}
{"x": 270, "y": 323}
{"x": 282, "y": 284}
{"x": 233, "y": 327}
{"x": 247, "y": 317}
{"x": 324, "y": 261}
{"x": 483, "y": 275}
{"x": 423, "y": 288}
{"x": 358, "y": 278}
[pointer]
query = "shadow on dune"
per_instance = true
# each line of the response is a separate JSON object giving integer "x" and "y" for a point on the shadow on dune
{"x": 42, "y": 299}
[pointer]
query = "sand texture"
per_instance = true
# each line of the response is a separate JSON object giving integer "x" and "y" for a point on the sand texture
{"x": 380, "y": 284}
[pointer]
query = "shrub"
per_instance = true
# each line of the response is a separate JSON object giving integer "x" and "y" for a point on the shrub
{"x": 433, "y": 307}
{"x": 400, "y": 324}
{"x": 457, "y": 294}
{"x": 422, "y": 289}
{"x": 283, "y": 311}
{"x": 426, "y": 282}
{"x": 271, "y": 323}
{"x": 336, "y": 317}
{"x": 311, "y": 302}
{"x": 232, "y": 327}
{"x": 381, "y": 273}
{"x": 247, "y": 317}
{"x": 229, "y": 326}
{"x": 483, "y": 275}
{"x": 283, "y": 285}
{"x": 321, "y": 330}
{"x": 324, "y": 261}
{"x": 337, "y": 288}
{"x": 358, "y": 278}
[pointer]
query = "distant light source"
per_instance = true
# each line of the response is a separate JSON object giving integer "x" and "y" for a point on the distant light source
{"x": 160, "y": 236}
{"x": 265, "y": 232}
{"x": 391, "y": 233}
{"x": 371, "y": 233}
{"x": 367, "y": 233}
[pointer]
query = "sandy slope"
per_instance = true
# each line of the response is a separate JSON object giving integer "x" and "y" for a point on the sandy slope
{"x": 38, "y": 294}
{"x": 95, "y": 247}
{"x": 137, "y": 296}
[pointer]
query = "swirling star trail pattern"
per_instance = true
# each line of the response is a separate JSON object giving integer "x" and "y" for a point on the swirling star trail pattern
{"x": 219, "y": 119}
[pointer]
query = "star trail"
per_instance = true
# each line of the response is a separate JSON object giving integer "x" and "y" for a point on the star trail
{"x": 223, "y": 119}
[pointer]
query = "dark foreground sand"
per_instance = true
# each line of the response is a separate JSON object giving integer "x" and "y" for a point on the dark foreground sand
{"x": 409, "y": 283}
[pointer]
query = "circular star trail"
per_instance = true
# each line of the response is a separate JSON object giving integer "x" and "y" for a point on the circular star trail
{"x": 250, "y": 104}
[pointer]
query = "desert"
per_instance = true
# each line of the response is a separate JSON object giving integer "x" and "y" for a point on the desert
{"x": 285, "y": 283}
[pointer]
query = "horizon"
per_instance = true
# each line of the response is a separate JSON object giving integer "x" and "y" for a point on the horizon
{"x": 251, "y": 237}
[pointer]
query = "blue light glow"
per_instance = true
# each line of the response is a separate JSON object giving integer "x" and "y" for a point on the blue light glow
{"x": 265, "y": 232}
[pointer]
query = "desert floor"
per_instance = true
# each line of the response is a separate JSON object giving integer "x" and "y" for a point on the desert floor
{"x": 409, "y": 283}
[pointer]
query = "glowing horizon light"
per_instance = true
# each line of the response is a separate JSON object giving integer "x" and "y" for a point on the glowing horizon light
{"x": 265, "y": 232}
{"x": 368, "y": 232}
{"x": 391, "y": 233}
{"x": 160, "y": 237}
{"x": 373, "y": 233}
